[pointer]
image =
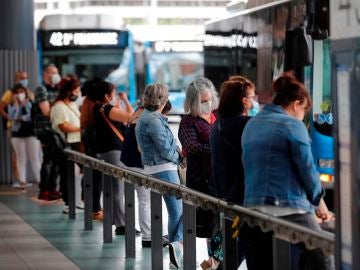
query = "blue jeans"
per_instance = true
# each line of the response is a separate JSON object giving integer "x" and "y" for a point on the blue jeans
{"x": 174, "y": 207}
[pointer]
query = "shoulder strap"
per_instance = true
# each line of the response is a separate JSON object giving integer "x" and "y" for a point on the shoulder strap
{"x": 74, "y": 112}
{"x": 114, "y": 129}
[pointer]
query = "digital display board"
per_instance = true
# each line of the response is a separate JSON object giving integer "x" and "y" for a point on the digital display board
{"x": 77, "y": 39}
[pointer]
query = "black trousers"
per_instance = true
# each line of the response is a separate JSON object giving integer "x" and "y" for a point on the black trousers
{"x": 63, "y": 176}
{"x": 97, "y": 183}
{"x": 49, "y": 170}
{"x": 259, "y": 251}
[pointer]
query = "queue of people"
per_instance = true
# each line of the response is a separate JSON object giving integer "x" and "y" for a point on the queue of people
{"x": 261, "y": 160}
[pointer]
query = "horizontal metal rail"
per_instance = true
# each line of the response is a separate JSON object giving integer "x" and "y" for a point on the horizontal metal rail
{"x": 282, "y": 229}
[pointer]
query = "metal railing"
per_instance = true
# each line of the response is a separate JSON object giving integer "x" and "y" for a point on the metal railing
{"x": 284, "y": 232}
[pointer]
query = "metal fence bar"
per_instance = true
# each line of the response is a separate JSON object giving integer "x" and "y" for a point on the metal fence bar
{"x": 189, "y": 223}
{"x": 281, "y": 254}
{"x": 156, "y": 231}
{"x": 108, "y": 207}
{"x": 229, "y": 244}
{"x": 129, "y": 221}
{"x": 88, "y": 198}
{"x": 70, "y": 178}
{"x": 281, "y": 228}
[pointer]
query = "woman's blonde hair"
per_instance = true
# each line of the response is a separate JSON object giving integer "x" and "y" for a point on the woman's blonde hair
{"x": 154, "y": 96}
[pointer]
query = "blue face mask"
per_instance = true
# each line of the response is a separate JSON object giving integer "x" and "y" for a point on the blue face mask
{"x": 255, "y": 108}
{"x": 24, "y": 82}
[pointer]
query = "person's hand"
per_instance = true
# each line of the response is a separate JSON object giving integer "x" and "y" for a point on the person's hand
{"x": 123, "y": 96}
{"x": 322, "y": 211}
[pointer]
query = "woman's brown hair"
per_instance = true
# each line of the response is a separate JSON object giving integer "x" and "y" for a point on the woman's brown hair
{"x": 232, "y": 92}
{"x": 288, "y": 89}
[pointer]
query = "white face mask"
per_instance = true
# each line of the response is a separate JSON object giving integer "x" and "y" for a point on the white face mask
{"x": 21, "y": 96}
{"x": 205, "y": 108}
{"x": 114, "y": 101}
{"x": 55, "y": 79}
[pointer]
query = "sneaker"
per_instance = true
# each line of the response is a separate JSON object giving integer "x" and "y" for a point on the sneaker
{"x": 147, "y": 243}
{"x": 54, "y": 195}
{"x": 121, "y": 231}
{"x": 80, "y": 205}
{"x": 19, "y": 185}
{"x": 176, "y": 253}
{"x": 98, "y": 215}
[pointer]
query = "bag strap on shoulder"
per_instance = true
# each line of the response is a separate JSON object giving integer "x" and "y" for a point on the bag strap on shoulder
{"x": 114, "y": 129}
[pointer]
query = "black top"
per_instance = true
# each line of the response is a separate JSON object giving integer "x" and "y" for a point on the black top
{"x": 106, "y": 138}
{"x": 226, "y": 151}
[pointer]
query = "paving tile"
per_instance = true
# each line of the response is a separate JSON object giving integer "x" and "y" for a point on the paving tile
{"x": 53, "y": 266}
{"x": 17, "y": 266}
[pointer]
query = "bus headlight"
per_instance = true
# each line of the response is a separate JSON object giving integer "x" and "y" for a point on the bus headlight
{"x": 326, "y": 163}
{"x": 327, "y": 178}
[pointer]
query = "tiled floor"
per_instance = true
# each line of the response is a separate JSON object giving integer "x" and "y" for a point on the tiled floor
{"x": 36, "y": 235}
{"x": 21, "y": 247}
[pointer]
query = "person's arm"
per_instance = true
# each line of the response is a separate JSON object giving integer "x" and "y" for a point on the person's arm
{"x": 5, "y": 101}
{"x": 163, "y": 143}
{"x": 68, "y": 128}
{"x": 189, "y": 140}
{"x": 41, "y": 98}
{"x": 45, "y": 108}
{"x": 128, "y": 107}
{"x": 303, "y": 158}
{"x": 119, "y": 115}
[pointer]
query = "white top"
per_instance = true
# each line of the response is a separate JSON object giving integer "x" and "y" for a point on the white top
{"x": 61, "y": 113}
{"x": 170, "y": 166}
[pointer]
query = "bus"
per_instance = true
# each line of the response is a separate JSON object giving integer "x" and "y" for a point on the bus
{"x": 265, "y": 40}
{"x": 175, "y": 63}
{"x": 89, "y": 46}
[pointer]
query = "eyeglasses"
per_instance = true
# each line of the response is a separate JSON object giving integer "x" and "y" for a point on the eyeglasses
{"x": 255, "y": 97}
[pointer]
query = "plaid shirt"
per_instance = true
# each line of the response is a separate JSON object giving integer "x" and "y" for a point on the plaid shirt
{"x": 194, "y": 135}
{"x": 42, "y": 93}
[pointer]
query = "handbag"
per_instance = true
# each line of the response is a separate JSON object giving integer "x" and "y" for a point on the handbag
{"x": 182, "y": 171}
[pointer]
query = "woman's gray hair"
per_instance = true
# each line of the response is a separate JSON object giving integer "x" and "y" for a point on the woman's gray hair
{"x": 154, "y": 96}
{"x": 193, "y": 93}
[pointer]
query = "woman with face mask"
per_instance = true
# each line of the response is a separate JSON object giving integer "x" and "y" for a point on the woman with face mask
{"x": 109, "y": 119}
{"x": 22, "y": 134}
{"x": 281, "y": 178}
{"x": 194, "y": 135}
{"x": 65, "y": 119}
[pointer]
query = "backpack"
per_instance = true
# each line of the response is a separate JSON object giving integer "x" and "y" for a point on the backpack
{"x": 54, "y": 142}
{"x": 130, "y": 154}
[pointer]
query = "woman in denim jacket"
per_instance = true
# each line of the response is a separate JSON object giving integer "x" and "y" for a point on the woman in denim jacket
{"x": 280, "y": 174}
{"x": 160, "y": 156}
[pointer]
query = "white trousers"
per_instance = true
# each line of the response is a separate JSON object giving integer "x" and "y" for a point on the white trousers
{"x": 27, "y": 149}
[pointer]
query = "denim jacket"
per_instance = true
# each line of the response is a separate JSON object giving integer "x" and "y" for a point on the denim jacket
{"x": 278, "y": 163}
{"x": 155, "y": 140}
{"x": 19, "y": 112}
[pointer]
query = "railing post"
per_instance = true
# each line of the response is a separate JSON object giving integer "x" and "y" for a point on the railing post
{"x": 189, "y": 217}
{"x": 108, "y": 207}
{"x": 229, "y": 245}
{"x": 281, "y": 254}
{"x": 129, "y": 220}
{"x": 70, "y": 178}
{"x": 88, "y": 198}
{"x": 156, "y": 231}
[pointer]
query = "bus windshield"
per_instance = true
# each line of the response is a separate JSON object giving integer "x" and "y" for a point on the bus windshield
{"x": 176, "y": 70}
